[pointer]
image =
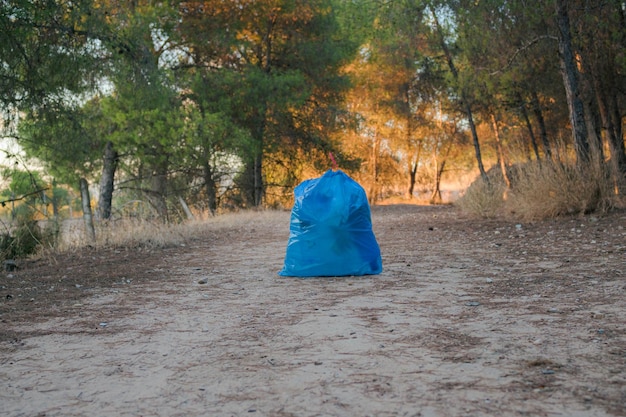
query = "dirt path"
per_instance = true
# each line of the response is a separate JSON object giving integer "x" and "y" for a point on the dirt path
{"x": 485, "y": 319}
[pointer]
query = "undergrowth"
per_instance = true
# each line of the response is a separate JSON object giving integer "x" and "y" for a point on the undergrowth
{"x": 132, "y": 233}
{"x": 544, "y": 190}
{"x": 24, "y": 236}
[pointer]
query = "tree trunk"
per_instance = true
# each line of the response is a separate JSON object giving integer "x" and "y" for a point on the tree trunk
{"x": 158, "y": 189}
{"x": 158, "y": 193}
{"x": 466, "y": 105}
{"x": 435, "y": 198}
{"x": 13, "y": 212}
{"x": 500, "y": 152}
{"x": 87, "y": 215}
{"x": 477, "y": 152}
{"x": 374, "y": 188}
{"x": 210, "y": 187}
{"x": 186, "y": 209}
{"x": 543, "y": 132}
{"x": 265, "y": 62}
{"x": 616, "y": 141}
{"x": 411, "y": 165}
{"x": 258, "y": 179}
{"x": 55, "y": 208}
{"x": 106, "y": 182}
{"x": 255, "y": 189}
{"x": 529, "y": 126}
{"x": 412, "y": 177}
{"x": 570, "y": 74}
{"x": 611, "y": 121}
{"x": 593, "y": 119}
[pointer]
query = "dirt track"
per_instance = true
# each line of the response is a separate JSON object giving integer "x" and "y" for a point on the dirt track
{"x": 487, "y": 318}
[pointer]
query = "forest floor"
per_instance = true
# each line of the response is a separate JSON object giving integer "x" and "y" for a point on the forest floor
{"x": 469, "y": 318}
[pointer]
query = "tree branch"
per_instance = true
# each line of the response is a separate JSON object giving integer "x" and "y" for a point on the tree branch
{"x": 522, "y": 49}
{"x": 4, "y": 202}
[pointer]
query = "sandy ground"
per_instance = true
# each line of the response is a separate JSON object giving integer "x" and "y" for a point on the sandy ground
{"x": 468, "y": 318}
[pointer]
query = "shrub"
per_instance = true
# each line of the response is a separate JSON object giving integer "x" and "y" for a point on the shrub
{"x": 484, "y": 198}
{"x": 22, "y": 241}
{"x": 545, "y": 190}
{"x": 554, "y": 189}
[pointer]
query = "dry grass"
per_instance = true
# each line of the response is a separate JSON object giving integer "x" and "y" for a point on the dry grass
{"x": 484, "y": 199}
{"x": 538, "y": 191}
{"x": 132, "y": 233}
{"x": 542, "y": 191}
{"x": 551, "y": 190}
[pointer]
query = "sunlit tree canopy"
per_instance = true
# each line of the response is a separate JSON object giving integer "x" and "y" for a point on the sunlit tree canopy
{"x": 203, "y": 106}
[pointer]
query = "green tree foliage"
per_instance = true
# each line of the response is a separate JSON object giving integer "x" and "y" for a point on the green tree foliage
{"x": 25, "y": 190}
{"x": 278, "y": 71}
{"x": 214, "y": 145}
{"x": 43, "y": 51}
{"x": 63, "y": 139}
{"x": 233, "y": 102}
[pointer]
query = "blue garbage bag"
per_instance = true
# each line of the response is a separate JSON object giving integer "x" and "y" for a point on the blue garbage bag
{"x": 331, "y": 230}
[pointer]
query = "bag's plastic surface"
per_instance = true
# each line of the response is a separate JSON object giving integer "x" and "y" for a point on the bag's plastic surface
{"x": 331, "y": 230}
